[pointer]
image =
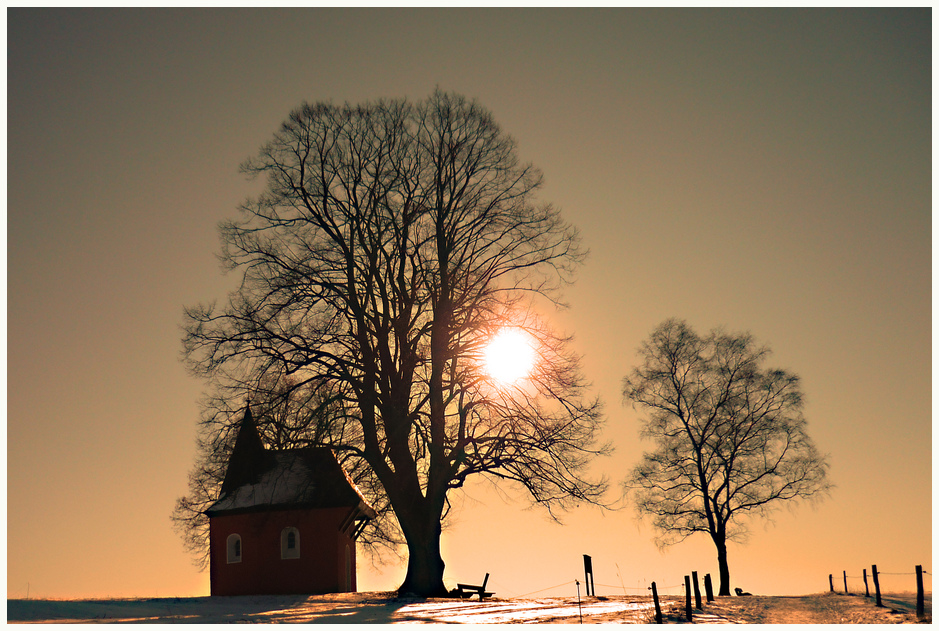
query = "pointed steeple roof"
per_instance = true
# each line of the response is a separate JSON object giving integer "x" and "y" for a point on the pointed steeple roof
{"x": 260, "y": 479}
{"x": 249, "y": 459}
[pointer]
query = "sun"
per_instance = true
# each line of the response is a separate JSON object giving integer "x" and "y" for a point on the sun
{"x": 509, "y": 356}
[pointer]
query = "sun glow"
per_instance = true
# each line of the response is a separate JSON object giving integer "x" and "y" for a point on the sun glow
{"x": 509, "y": 356}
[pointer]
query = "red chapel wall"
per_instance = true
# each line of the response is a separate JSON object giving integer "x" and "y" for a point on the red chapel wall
{"x": 324, "y": 565}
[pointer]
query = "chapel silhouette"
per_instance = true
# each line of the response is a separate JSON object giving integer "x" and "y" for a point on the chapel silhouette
{"x": 285, "y": 521}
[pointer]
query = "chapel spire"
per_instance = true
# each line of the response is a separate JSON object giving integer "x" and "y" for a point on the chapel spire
{"x": 249, "y": 459}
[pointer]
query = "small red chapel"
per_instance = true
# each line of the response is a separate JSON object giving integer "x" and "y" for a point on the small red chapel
{"x": 285, "y": 521}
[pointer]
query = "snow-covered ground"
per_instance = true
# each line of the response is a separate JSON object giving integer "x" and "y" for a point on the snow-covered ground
{"x": 376, "y": 607}
{"x": 330, "y": 608}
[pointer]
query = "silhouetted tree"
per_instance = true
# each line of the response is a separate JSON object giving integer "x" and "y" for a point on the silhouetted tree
{"x": 730, "y": 437}
{"x": 392, "y": 241}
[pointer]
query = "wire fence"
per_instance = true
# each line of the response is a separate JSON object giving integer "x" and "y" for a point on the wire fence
{"x": 664, "y": 590}
{"x": 677, "y": 589}
{"x": 890, "y": 582}
{"x": 586, "y": 587}
{"x": 911, "y": 591}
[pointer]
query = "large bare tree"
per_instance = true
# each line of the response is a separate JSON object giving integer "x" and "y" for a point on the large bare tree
{"x": 392, "y": 242}
{"x": 730, "y": 437}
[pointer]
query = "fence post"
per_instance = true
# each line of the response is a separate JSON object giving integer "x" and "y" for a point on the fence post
{"x": 580, "y": 611}
{"x": 831, "y": 584}
{"x": 697, "y": 592}
{"x": 920, "y": 594}
{"x": 708, "y": 588}
{"x": 655, "y": 599}
{"x": 867, "y": 591}
{"x": 688, "y": 597}
{"x": 845, "y": 581}
{"x": 876, "y": 585}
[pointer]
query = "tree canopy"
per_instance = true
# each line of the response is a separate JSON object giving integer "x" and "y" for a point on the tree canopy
{"x": 392, "y": 242}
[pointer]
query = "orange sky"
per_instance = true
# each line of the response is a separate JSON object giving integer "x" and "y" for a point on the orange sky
{"x": 766, "y": 170}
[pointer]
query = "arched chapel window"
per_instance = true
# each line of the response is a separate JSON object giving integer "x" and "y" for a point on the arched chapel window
{"x": 290, "y": 543}
{"x": 233, "y": 545}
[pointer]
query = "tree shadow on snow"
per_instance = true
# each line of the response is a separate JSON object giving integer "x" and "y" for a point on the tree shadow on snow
{"x": 329, "y": 608}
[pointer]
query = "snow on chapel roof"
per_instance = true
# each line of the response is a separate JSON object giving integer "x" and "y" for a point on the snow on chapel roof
{"x": 262, "y": 479}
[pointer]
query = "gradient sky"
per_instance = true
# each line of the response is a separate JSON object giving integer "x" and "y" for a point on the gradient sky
{"x": 765, "y": 170}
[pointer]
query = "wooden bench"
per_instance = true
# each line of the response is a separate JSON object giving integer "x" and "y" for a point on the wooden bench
{"x": 467, "y": 591}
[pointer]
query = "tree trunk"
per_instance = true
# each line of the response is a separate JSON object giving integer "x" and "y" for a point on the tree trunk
{"x": 723, "y": 569}
{"x": 425, "y": 564}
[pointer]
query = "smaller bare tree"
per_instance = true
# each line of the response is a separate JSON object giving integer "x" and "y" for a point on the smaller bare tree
{"x": 730, "y": 437}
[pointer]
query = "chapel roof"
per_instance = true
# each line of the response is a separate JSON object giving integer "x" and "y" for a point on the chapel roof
{"x": 261, "y": 479}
